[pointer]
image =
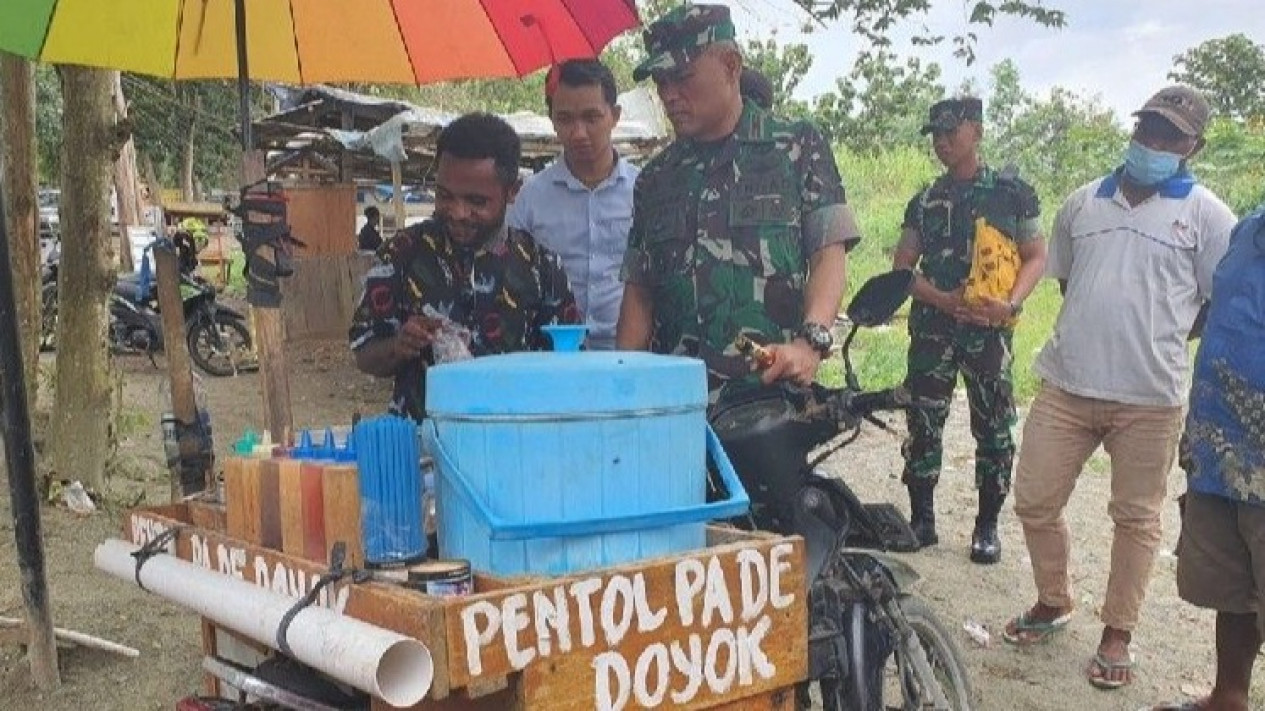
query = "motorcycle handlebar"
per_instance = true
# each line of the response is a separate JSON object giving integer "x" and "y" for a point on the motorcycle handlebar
{"x": 867, "y": 403}
{"x": 857, "y": 405}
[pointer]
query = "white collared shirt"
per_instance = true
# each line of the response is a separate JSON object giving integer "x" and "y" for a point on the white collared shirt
{"x": 1136, "y": 278}
{"x": 588, "y": 229}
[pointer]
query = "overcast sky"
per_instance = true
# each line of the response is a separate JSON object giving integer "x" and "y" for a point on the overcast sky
{"x": 1119, "y": 50}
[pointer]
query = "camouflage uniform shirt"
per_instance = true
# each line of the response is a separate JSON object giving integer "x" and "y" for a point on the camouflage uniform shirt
{"x": 502, "y": 292}
{"x": 944, "y": 214}
{"x": 722, "y": 234}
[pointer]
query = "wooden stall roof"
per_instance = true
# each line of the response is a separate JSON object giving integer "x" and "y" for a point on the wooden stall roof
{"x": 303, "y": 139}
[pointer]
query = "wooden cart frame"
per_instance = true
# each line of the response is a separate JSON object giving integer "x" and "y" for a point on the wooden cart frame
{"x": 724, "y": 627}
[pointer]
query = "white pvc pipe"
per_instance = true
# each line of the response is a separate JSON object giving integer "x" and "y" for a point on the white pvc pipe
{"x": 387, "y": 665}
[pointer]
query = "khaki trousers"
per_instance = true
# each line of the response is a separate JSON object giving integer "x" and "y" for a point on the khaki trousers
{"x": 1061, "y": 432}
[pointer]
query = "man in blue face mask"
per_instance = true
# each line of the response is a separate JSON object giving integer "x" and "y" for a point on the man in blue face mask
{"x": 1134, "y": 253}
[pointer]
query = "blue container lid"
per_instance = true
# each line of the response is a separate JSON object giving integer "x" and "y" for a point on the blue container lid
{"x": 550, "y": 383}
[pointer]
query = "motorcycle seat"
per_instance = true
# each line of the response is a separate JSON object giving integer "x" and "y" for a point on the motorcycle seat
{"x": 127, "y": 286}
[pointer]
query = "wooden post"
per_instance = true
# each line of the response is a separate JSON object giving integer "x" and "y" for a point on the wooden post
{"x": 19, "y": 459}
{"x": 270, "y": 339}
{"x": 179, "y": 368}
{"x": 125, "y": 184}
{"x": 397, "y": 194}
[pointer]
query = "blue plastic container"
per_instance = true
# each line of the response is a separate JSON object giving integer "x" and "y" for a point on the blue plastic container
{"x": 390, "y": 482}
{"x": 551, "y": 463}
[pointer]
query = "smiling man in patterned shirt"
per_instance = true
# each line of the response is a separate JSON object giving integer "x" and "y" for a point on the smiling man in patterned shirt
{"x": 466, "y": 264}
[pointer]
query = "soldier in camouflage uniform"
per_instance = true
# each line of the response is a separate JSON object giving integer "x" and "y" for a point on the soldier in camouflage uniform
{"x": 949, "y": 336}
{"x": 739, "y": 226}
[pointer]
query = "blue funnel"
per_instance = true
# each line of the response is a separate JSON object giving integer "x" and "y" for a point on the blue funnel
{"x": 566, "y": 338}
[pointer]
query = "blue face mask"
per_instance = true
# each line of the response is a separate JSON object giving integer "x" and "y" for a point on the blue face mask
{"x": 1149, "y": 167}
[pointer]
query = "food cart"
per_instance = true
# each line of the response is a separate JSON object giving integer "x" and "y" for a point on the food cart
{"x": 722, "y": 627}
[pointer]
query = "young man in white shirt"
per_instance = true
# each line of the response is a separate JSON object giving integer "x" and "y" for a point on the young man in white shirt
{"x": 580, "y": 206}
{"x": 1134, "y": 253}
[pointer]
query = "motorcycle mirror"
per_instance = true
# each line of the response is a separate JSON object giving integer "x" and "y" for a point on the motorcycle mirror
{"x": 880, "y": 297}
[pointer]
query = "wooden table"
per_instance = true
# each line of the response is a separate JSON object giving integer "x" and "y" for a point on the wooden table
{"x": 724, "y": 627}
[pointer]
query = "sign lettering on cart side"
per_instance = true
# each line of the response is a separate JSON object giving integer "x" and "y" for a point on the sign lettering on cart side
{"x": 243, "y": 564}
{"x": 713, "y": 627}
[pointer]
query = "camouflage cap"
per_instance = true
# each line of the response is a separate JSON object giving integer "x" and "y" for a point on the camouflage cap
{"x": 674, "y": 40}
{"x": 1184, "y": 107}
{"x": 947, "y": 115}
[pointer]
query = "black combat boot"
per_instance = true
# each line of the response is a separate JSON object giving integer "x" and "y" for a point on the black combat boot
{"x": 985, "y": 543}
{"x": 922, "y": 512}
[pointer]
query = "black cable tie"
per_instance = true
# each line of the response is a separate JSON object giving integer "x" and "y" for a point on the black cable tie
{"x": 337, "y": 556}
{"x": 151, "y": 548}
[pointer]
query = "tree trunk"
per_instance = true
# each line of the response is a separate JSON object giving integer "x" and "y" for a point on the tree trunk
{"x": 125, "y": 183}
{"x": 17, "y": 137}
{"x": 186, "y": 175}
{"x": 82, "y": 428}
{"x": 151, "y": 180}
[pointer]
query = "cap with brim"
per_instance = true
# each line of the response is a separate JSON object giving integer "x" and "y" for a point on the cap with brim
{"x": 677, "y": 38}
{"x": 946, "y": 115}
{"x": 1182, "y": 106}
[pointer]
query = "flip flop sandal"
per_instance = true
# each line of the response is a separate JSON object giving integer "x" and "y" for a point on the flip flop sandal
{"x": 1029, "y": 632}
{"x": 1100, "y": 669}
{"x": 1175, "y": 706}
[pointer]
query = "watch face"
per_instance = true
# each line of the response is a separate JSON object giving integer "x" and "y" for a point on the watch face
{"x": 818, "y": 336}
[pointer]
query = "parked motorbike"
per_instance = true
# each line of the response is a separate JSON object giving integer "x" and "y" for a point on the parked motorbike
{"x": 218, "y": 339}
{"x": 872, "y": 643}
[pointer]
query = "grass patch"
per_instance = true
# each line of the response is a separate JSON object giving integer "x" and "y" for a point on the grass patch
{"x": 133, "y": 422}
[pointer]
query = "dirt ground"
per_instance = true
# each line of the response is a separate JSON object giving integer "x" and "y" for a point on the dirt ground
{"x": 1173, "y": 645}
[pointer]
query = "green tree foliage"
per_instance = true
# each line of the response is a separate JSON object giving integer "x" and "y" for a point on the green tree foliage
{"x": 1231, "y": 164}
{"x": 785, "y": 66}
{"x": 1231, "y": 72}
{"x": 48, "y": 110}
{"x": 185, "y": 126}
{"x": 881, "y": 103}
{"x": 1058, "y": 142}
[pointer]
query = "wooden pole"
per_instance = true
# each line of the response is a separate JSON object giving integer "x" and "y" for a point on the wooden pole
{"x": 270, "y": 339}
{"x": 19, "y": 457}
{"x": 81, "y": 639}
{"x": 397, "y": 194}
{"x": 125, "y": 184}
{"x": 269, "y": 328}
{"x": 180, "y": 371}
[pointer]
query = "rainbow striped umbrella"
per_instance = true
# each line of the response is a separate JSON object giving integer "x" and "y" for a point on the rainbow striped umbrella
{"x": 311, "y": 41}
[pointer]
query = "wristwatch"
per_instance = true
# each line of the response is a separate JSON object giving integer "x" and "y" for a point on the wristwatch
{"x": 818, "y": 336}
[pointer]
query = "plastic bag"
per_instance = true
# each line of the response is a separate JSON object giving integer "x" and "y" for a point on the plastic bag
{"x": 451, "y": 342}
{"x": 995, "y": 265}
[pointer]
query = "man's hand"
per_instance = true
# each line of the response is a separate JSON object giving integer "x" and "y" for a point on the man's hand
{"x": 415, "y": 335}
{"x": 950, "y": 302}
{"x": 795, "y": 361}
{"x": 989, "y": 313}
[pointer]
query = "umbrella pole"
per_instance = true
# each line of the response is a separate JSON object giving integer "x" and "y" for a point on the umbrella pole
{"x": 269, "y": 328}
{"x": 243, "y": 76}
{"x": 19, "y": 456}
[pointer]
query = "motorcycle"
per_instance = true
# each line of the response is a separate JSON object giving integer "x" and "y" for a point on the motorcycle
{"x": 863, "y": 618}
{"x": 218, "y": 339}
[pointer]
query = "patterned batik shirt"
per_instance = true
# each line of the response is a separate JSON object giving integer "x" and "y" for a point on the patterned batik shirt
{"x": 722, "y": 235}
{"x": 502, "y": 292}
{"x": 943, "y": 215}
{"x": 1223, "y": 449}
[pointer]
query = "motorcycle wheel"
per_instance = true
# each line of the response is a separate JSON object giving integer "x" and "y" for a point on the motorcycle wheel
{"x": 941, "y": 652}
{"x": 219, "y": 347}
{"x": 48, "y": 317}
